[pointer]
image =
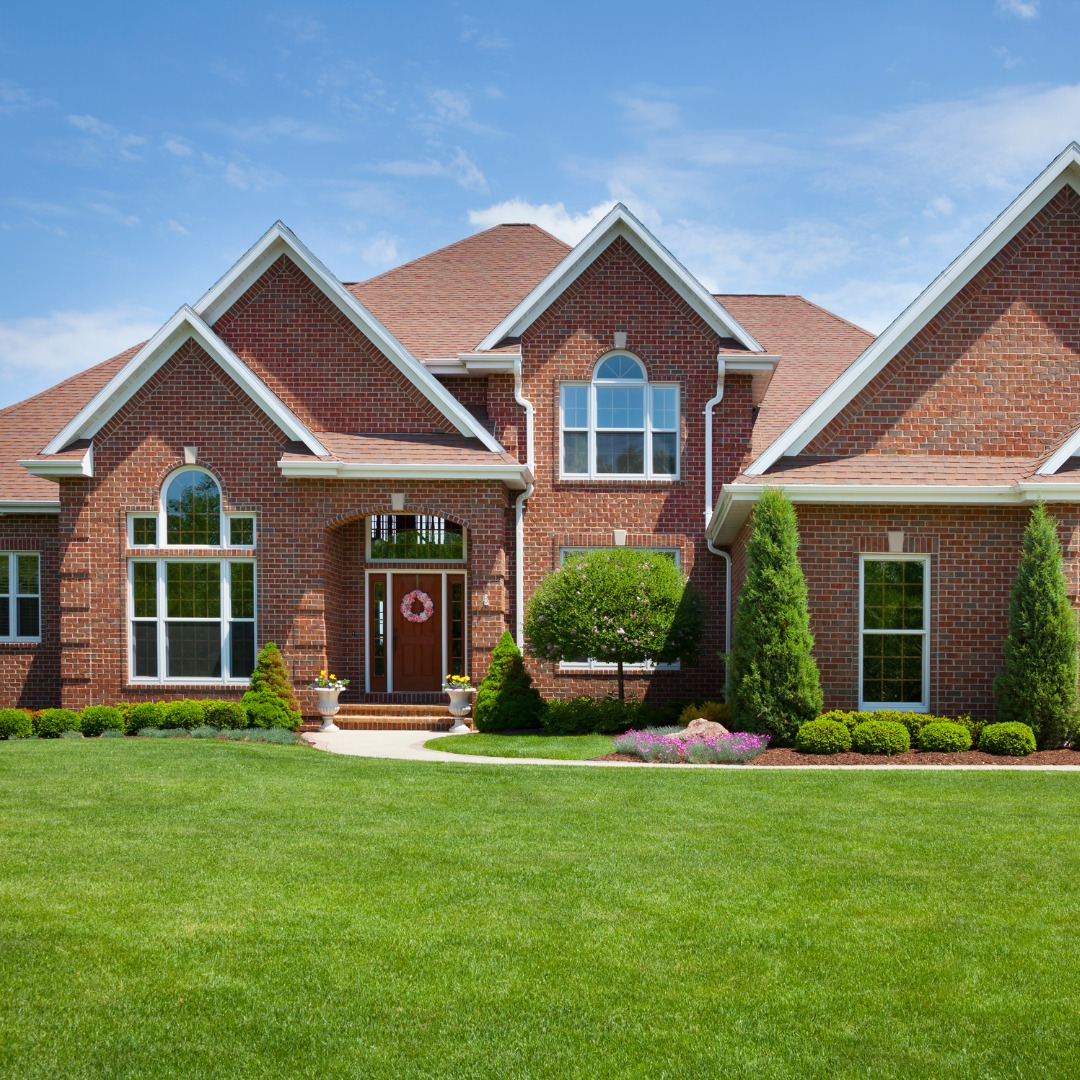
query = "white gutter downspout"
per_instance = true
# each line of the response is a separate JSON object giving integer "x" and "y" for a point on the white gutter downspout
{"x": 519, "y": 514}
{"x": 721, "y": 369}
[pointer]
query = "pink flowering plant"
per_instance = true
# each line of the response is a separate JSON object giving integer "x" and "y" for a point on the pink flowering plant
{"x": 664, "y": 746}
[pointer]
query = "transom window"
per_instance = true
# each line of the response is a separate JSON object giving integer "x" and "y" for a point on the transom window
{"x": 20, "y": 596}
{"x": 191, "y": 515}
{"x": 620, "y": 425}
{"x": 894, "y": 606}
{"x": 414, "y": 538}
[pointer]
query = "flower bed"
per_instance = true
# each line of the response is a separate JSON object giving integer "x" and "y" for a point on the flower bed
{"x": 664, "y": 746}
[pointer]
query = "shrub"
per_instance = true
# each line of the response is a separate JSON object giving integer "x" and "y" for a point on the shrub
{"x": 584, "y": 716}
{"x": 183, "y": 714}
{"x": 225, "y": 714}
{"x": 1010, "y": 739}
{"x": 507, "y": 699}
{"x": 144, "y": 714}
{"x": 266, "y": 710}
{"x": 109, "y": 733}
{"x": 97, "y": 719}
{"x": 163, "y": 733}
{"x": 823, "y": 736}
{"x": 71, "y": 734}
{"x": 51, "y": 723}
{"x": 15, "y": 724}
{"x": 944, "y": 738}
{"x": 663, "y": 747}
{"x": 278, "y": 735}
{"x": 1038, "y": 683}
{"x": 773, "y": 684}
{"x": 204, "y": 732}
{"x": 270, "y": 677}
{"x": 715, "y": 711}
{"x": 880, "y": 737}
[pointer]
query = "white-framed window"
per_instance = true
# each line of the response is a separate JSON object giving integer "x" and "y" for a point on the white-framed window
{"x": 619, "y": 426}
{"x": 190, "y": 514}
{"x": 414, "y": 538}
{"x": 20, "y": 596}
{"x": 191, "y": 620}
{"x": 584, "y": 663}
{"x": 894, "y": 632}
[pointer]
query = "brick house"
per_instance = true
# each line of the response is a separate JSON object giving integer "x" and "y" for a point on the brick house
{"x": 375, "y": 475}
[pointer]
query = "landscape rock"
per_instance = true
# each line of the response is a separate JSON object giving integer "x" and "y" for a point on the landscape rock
{"x": 702, "y": 728}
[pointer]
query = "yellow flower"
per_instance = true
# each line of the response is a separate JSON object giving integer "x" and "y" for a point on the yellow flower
{"x": 332, "y": 676}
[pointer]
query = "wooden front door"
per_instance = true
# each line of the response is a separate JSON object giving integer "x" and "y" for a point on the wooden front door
{"x": 418, "y": 645}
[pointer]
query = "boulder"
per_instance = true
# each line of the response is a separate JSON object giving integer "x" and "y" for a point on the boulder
{"x": 701, "y": 728}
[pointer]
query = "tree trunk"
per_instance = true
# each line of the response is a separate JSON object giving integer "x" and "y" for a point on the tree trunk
{"x": 621, "y": 694}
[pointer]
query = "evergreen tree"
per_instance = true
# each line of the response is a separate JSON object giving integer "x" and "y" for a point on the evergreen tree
{"x": 270, "y": 680}
{"x": 507, "y": 699}
{"x": 772, "y": 677}
{"x": 1038, "y": 683}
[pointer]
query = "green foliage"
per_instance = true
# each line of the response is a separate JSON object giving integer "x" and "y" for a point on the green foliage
{"x": 773, "y": 679}
{"x": 144, "y": 714}
{"x": 97, "y": 719}
{"x": 15, "y": 724}
{"x": 616, "y": 605}
{"x": 51, "y": 723}
{"x": 880, "y": 737}
{"x": 185, "y": 714}
{"x": 823, "y": 736}
{"x": 1038, "y": 683}
{"x": 715, "y": 711}
{"x": 264, "y": 709}
{"x": 914, "y": 722}
{"x": 601, "y": 716}
{"x": 271, "y": 677}
{"x": 225, "y": 714}
{"x": 71, "y": 734}
{"x": 1009, "y": 738}
{"x": 507, "y": 699}
{"x": 205, "y": 732}
{"x": 944, "y": 738}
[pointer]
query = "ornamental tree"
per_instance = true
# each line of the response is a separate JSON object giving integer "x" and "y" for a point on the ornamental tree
{"x": 616, "y": 605}
{"x": 507, "y": 699}
{"x": 772, "y": 677}
{"x": 270, "y": 686}
{"x": 1038, "y": 683}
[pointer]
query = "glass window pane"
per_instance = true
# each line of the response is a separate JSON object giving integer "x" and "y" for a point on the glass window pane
{"x": 144, "y": 532}
{"x": 416, "y": 537}
{"x": 144, "y": 587}
{"x": 5, "y": 571}
{"x": 242, "y": 579}
{"x": 29, "y": 613}
{"x": 194, "y": 590}
{"x": 893, "y": 595}
{"x": 620, "y": 367}
{"x": 28, "y": 575}
{"x": 893, "y": 668}
{"x": 620, "y": 407}
{"x": 575, "y": 405}
{"x": 242, "y": 657}
{"x": 664, "y": 462}
{"x": 620, "y": 453}
{"x": 665, "y": 408}
{"x": 5, "y": 617}
{"x": 194, "y": 650}
{"x": 145, "y": 640}
{"x": 575, "y": 452}
{"x": 241, "y": 531}
{"x": 193, "y": 507}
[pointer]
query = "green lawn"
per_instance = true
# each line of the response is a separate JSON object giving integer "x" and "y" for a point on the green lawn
{"x": 186, "y": 908}
{"x": 556, "y": 747}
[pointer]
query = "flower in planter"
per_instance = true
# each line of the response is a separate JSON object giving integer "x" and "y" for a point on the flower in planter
{"x": 328, "y": 682}
{"x": 457, "y": 682}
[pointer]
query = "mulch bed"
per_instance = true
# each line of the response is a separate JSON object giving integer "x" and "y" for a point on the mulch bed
{"x": 786, "y": 756}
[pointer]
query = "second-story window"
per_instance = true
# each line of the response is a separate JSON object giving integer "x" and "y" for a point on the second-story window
{"x": 619, "y": 425}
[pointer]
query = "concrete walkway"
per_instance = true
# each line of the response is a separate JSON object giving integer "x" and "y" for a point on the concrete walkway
{"x": 409, "y": 746}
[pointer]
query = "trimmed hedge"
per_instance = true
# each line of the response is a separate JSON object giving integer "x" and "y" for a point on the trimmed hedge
{"x": 15, "y": 724}
{"x": 880, "y": 737}
{"x": 823, "y": 736}
{"x": 225, "y": 714}
{"x": 52, "y": 723}
{"x": 1010, "y": 739}
{"x": 266, "y": 710}
{"x": 914, "y": 722}
{"x": 97, "y": 719}
{"x": 186, "y": 714}
{"x": 715, "y": 711}
{"x": 144, "y": 714}
{"x": 944, "y": 738}
{"x": 601, "y": 716}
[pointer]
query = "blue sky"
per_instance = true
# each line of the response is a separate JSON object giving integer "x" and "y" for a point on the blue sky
{"x": 845, "y": 151}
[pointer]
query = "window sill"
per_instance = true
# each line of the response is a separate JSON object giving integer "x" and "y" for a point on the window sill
{"x": 22, "y": 642}
{"x": 878, "y": 706}
{"x": 151, "y": 684}
{"x": 609, "y": 479}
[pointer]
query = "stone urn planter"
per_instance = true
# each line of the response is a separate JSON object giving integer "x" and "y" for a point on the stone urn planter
{"x": 460, "y": 707}
{"x": 327, "y": 704}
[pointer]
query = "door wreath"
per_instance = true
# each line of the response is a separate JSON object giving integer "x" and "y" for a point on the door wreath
{"x": 417, "y": 596}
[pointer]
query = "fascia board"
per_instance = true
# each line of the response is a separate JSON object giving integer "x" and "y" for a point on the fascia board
{"x": 29, "y": 506}
{"x": 51, "y": 469}
{"x": 281, "y": 240}
{"x": 516, "y": 476}
{"x": 1064, "y": 169}
{"x": 619, "y": 221}
{"x": 185, "y": 324}
{"x": 1067, "y": 450}
{"x": 483, "y": 363}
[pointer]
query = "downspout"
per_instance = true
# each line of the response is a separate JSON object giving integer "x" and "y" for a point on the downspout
{"x": 519, "y": 514}
{"x": 711, "y": 404}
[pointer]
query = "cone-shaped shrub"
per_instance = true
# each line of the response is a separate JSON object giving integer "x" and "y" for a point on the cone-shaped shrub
{"x": 1038, "y": 683}
{"x": 270, "y": 677}
{"x": 507, "y": 699}
{"x": 773, "y": 679}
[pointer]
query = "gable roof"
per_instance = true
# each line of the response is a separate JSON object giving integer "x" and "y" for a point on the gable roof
{"x": 619, "y": 221}
{"x": 280, "y": 240}
{"x": 1063, "y": 170}
{"x": 125, "y": 383}
{"x": 443, "y": 304}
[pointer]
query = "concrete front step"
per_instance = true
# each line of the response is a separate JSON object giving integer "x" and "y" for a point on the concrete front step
{"x": 386, "y": 723}
{"x": 381, "y": 710}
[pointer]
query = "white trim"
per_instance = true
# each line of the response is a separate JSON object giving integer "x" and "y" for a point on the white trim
{"x": 13, "y": 596}
{"x": 185, "y": 324}
{"x": 53, "y": 468}
{"x": 11, "y": 507}
{"x": 619, "y": 221}
{"x": 280, "y": 240}
{"x": 1063, "y": 170}
{"x": 519, "y": 511}
{"x": 897, "y": 706}
{"x": 483, "y": 363}
{"x": 514, "y": 476}
{"x": 1069, "y": 449}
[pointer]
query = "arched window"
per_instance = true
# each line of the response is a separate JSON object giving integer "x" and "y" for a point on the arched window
{"x": 193, "y": 510}
{"x": 620, "y": 425}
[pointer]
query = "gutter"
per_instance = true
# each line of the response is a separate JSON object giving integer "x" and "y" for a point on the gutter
{"x": 519, "y": 512}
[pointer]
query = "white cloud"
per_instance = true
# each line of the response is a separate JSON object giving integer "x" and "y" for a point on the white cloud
{"x": 939, "y": 207}
{"x": 482, "y": 38}
{"x": 103, "y": 139}
{"x": 451, "y": 106}
{"x": 461, "y": 168}
{"x": 381, "y": 252}
{"x": 651, "y": 115}
{"x": 869, "y": 304}
{"x": 175, "y": 226}
{"x": 1020, "y": 9}
{"x": 251, "y": 177}
{"x": 177, "y": 147}
{"x": 280, "y": 127}
{"x": 36, "y": 352}
{"x": 554, "y": 217}
{"x": 301, "y": 28}
{"x": 1009, "y": 60}
{"x": 110, "y": 212}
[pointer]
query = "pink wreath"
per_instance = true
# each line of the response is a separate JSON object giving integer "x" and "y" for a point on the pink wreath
{"x": 417, "y": 597}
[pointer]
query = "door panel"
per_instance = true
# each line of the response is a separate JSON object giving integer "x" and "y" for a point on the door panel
{"x": 417, "y": 646}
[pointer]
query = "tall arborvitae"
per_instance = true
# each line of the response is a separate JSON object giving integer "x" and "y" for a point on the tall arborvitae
{"x": 1037, "y": 686}
{"x": 271, "y": 677}
{"x": 773, "y": 680}
{"x": 507, "y": 699}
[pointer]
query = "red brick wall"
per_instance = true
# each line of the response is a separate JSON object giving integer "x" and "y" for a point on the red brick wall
{"x": 997, "y": 371}
{"x": 30, "y": 673}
